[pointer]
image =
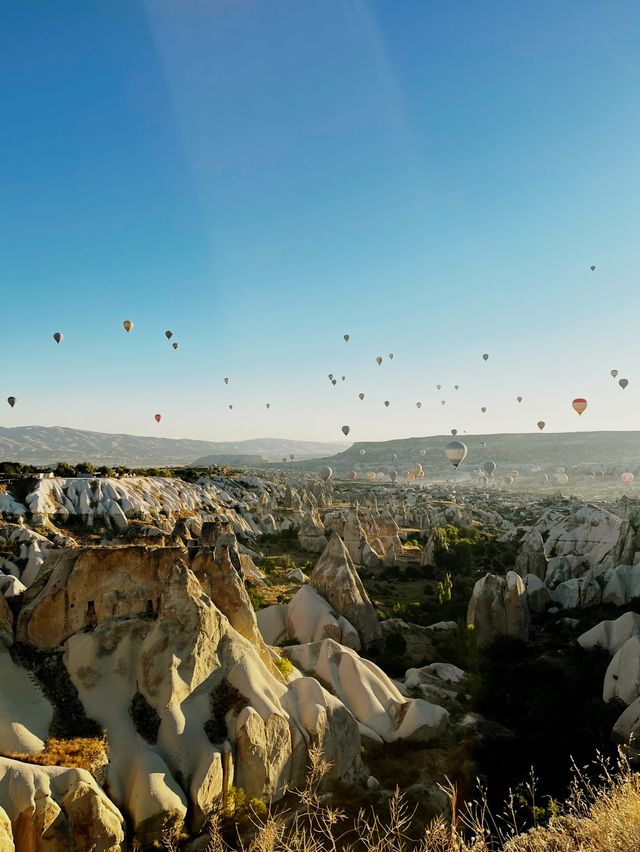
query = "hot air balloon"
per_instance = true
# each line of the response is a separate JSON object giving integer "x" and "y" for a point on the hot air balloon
{"x": 563, "y": 478}
{"x": 455, "y": 451}
{"x": 483, "y": 409}
{"x": 168, "y": 335}
{"x": 379, "y": 360}
{"x": 416, "y": 470}
{"x": 231, "y": 408}
{"x": 346, "y": 430}
{"x": 268, "y": 405}
{"x": 11, "y": 400}
{"x": 334, "y": 382}
{"x": 438, "y": 387}
{"x": 614, "y": 373}
{"x": 489, "y": 467}
{"x": 226, "y": 381}
{"x": 346, "y": 338}
{"x": 360, "y": 396}
{"x": 325, "y": 474}
{"x": 508, "y": 480}
{"x": 394, "y": 458}
{"x": 559, "y": 470}
{"x": 485, "y": 357}
{"x": 58, "y": 337}
{"x": 443, "y": 402}
{"x": 593, "y": 269}
{"x": 292, "y": 457}
{"x": 627, "y": 478}
{"x": 157, "y": 417}
{"x": 623, "y": 383}
{"x": 393, "y": 475}
{"x": 330, "y": 376}
{"x": 579, "y": 404}
{"x": 483, "y": 445}
{"x": 362, "y": 452}
{"x": 343, "y": 378}
{"x": 519, "y": 398}
{"x": 541, "y": 425}
{"x": 371, "y": 475}
{"x": 352, "y": 475}
{"x": 423, "y": 453}
{"x": 455, "y": 387}
{"x": 284, "y": 459}
{"x": 391, "y": 356}
{"x": 418, "y": 405}
{"x": 127, "y": 325}
{"x": 176, "y": 345}
{"x": 386, "y": 402}
{"x": 454, "y": 432}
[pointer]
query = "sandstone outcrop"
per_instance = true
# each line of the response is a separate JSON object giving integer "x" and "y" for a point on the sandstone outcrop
{"x": 498, "y": 607}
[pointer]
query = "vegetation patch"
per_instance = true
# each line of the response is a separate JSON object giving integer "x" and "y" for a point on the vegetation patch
{"x": 145, "y": 718}
{"x": 223, "y": 698}
{"x": 88, "y": 753}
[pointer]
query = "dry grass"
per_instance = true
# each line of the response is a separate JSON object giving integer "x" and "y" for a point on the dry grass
{"x": 88, "y": 753}
{"x": 598, "y": 816}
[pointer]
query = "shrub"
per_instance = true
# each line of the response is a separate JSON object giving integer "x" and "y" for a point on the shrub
{"x": 88, "y": 753}
{"x": 284, "y": 665}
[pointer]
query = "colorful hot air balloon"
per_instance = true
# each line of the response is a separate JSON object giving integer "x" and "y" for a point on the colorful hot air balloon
{"x": 485, "y": 357}
{"x": 168, "y": 335}
{"x": 623, "y": 383}
{"x": 127, "y": 325}
{"x": 379, "y": 360}
{"x": 325, "y": 474}
{"x": 541, "y": 424}
{"x": 360, "y": 396}
{"x": 12, "y": 400}
{"x": 157, "y": 417}
{"x": 352, "y": 475}
{"x": 579, "y": 404}
{"x": 455, "y": 451}
{"x": 176, "y": 345}
{"x": 346, "y": 338}
{"x": 627, "y": 478}
{"x": 346, "y": 430}
{"x": 371, "y": 475}
{"x": 418, "y": 405}
{"x": 58, "y": 337}
{"x": 614, "y": 373}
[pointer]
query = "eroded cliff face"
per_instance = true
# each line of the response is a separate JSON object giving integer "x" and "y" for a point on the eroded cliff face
{"x": 177, "y": 682}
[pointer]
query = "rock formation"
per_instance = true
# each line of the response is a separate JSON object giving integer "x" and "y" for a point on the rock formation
{"x": 498, "y": 607}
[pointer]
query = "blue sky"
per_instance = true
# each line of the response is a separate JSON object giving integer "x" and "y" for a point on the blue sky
{"x": 261, "y": 178}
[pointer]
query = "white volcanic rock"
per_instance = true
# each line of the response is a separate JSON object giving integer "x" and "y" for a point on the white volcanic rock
{"x": 590, "y": 532}
{"x": 445, "y": 672}
{"x": 310, "y": 618}
{"x": 368, "y": 693}
{"x": 337, "y": 580}
{"x": 531, "y": 558}
{"x": 622, "y": 678}
{"x": 25, "y": 714}
{"x": 57, "y": 809}
{"x": 311, "y": 535}
{"x": 627, "y": 726}
{"x": 538, "y": 595}
{"x": 579, "y": 592}
{"x": 611, "y": 635}
{"x": 621, "y": 584}
{"x": 11, "y": 507}
{"x": 499, "y": 607}
{"x": 272, "y": 623}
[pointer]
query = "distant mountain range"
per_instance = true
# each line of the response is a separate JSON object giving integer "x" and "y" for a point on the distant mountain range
{"x": 583, "y": 451}
{"x": 51, "y": 444}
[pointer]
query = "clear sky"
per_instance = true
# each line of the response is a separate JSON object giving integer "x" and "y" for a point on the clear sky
{"x": 262, "y": 177}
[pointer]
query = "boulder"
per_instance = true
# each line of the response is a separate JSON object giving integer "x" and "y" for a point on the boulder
{"x": 499, "y": 607}
{"x": 311, "y": 535}
{"x": 611, "y": 635}
{"x": 337, "y": 580}
{"x": 538, "y": 595}
{"x": 310, "y": 618}
{"x": 531, "y": 558}
{"x": 622, "y": 678}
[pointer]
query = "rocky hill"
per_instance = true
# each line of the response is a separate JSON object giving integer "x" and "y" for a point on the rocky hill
{"x": 583, "y": 451}
{"x": 50, "y": 444}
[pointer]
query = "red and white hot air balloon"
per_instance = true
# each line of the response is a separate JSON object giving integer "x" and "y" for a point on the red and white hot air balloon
{"x": 579, "y": 404}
